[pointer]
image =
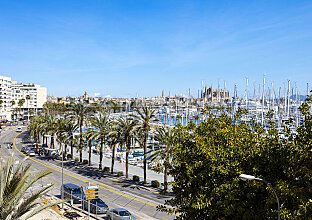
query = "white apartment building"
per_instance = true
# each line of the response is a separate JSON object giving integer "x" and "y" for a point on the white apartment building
{"x": 11, "y": 93}
{"x": 5, "y": 96}
{"x": 37, "y": 95}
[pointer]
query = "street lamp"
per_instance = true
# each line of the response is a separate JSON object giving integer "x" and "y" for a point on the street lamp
{"x": 246, "y": 177}
{"x": 62, "y": 177}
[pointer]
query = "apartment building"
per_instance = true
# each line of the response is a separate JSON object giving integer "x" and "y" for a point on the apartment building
{"x": 11, "y": 93}
{"x": 34, "y": 95}
{"x": 5, "y": 96}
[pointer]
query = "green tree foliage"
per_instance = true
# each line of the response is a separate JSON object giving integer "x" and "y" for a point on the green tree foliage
{"x": 128, "y": 127}
{"x": 146, "y": 117}
{"x": 166, "y": 138}
{"x": 208, "y": 159}
{"x": 80, "y": 112}
{"x": 101, "y": 123}
{"x": 14, "y": 182}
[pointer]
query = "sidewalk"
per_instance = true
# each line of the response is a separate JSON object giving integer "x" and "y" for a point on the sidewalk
{"x": 119, "y": 166}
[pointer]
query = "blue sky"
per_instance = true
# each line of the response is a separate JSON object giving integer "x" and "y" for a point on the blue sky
{"x": 130, "y": 48}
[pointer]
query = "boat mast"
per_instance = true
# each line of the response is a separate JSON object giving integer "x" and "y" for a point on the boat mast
{"x": 263, "y": 100}
{"x": 247, "y": 93}
{"x": 288, "y": 98}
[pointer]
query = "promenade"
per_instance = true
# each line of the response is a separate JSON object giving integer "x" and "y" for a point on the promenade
{"x": 118, "y": 166}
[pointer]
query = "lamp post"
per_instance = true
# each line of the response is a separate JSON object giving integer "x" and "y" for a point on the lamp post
{"x": 62, "y": 177}
{"x": 246, "y": 177}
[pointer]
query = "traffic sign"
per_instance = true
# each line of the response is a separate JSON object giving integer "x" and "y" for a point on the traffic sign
{"x": 92, "y": 187}
{"x": 92, "y": 192}
{"x": 92, "y": 197}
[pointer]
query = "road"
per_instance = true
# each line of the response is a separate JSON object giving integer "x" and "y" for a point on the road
{"x": 115, "y": 192}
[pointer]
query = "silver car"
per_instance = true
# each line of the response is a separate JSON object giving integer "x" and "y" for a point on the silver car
{"x": 31, "y": 153}
{"x": 119, "y": 214}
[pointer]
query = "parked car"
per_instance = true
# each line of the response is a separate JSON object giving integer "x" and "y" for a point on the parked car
{"x": 27, "y": 150}
{"x": 24, "y": 149}
{"x": 19, "y": 129}
{"x": 73, "y": 192}
{"x": 96, "y": 206}
{"x": 31, "y": 153}
{"x": 119, "y": 214}
{"x": 39, "y": 150}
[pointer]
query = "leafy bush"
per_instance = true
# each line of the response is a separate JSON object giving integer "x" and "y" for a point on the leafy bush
{"x": 85, "y": 161}
{"x": 69, "y": 156}
{"x": 76, "y": 159}
{"x": 120, "y": 173}
{"x": 136, "y": 178}
{"x": 106, "y": 169}
{"x": 155, "y": 184}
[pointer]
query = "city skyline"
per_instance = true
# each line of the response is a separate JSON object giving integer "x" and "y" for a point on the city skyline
{"x": 139, "y": 48}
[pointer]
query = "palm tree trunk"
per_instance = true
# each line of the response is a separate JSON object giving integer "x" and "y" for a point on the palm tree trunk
{"x": 127, "y": 159}
{"x": 145, "y": 151}
{"x": 166, "y": 173}
{"x": 80, "y": 155}
{"x": 90, "y": 153}
{"x": 113, "y": 160}
{"x": 80, "y": 141}
{"x": 72, "y": 149}
{"x": 51, "y": 142}
{"x": 101, "y": 154}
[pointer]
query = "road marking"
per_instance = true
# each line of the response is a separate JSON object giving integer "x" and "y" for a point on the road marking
{"x": 112, "y": 178}
{"x": 116, "y": 182}
{"x": 132, "y": 206}
{"x": 2, "y": 154}
{"x": 80, "y": 178}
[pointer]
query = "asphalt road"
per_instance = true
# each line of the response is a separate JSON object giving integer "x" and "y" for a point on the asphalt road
{"x": 115, "y": 192}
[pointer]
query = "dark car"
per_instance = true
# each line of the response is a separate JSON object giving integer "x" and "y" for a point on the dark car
{"x": 73, "y": 192}
{"x": 24, "y": 149}
{"x": 96, "y": 206}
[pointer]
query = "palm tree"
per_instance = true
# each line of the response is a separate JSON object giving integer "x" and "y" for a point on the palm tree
{"x": 20, "y": 103}
{"x": 52, "y": 126}
{"x": 12, "y": 104}
{"x": 167, "y": 138}
{"x": 28, "y": 98}
{"x": 196, "y": 118}
{"x": 80, "y": 145}
{"x": 89, "y": 136}
{"x": 61, "y": 133}
{"x": 127, "y": 128}
{"x": 80, "y": 111}
{"x": 115, "y": 106}
{"x": 70, "y": 128}
{"x": 101, "y": 124}
{"x": 114, "y": 138}
{"x": 35, "y": 126}
{"x": 15, "y": 181}
{"x": 146, "y": 117}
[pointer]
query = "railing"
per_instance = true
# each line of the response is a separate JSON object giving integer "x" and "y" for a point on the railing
{"x": 137, "y": 207}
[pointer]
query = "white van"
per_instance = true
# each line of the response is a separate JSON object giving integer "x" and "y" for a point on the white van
{"x": 19, "y": 129}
